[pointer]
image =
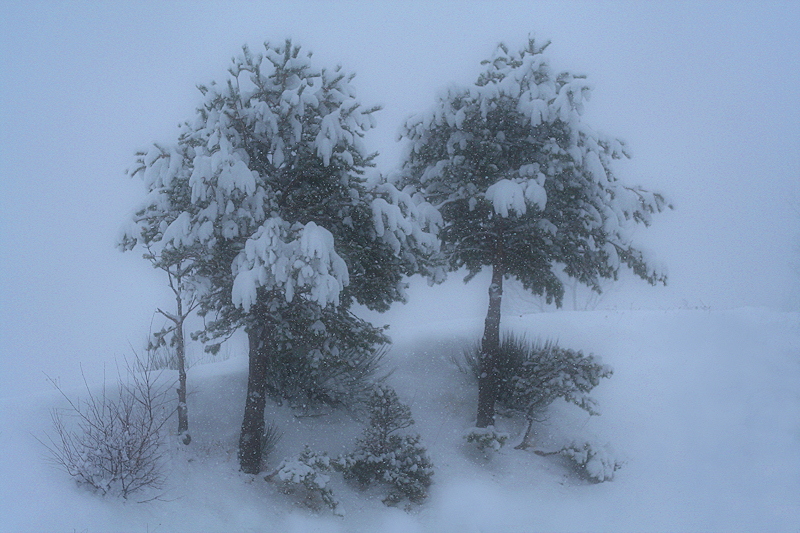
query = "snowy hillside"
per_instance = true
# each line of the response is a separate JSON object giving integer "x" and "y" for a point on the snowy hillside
{"x": 704, "y": 408}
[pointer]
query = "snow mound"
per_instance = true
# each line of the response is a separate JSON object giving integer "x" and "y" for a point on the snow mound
{"x": 704, "y": 405}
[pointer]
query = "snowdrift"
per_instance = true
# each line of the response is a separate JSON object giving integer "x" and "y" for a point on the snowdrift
{"x": 703, "y": 408}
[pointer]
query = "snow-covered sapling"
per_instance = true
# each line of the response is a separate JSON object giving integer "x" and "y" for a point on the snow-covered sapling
{"x": 178, "y": 266}
{"x": 384, "y": 454}
{"x": 307, "y": 475}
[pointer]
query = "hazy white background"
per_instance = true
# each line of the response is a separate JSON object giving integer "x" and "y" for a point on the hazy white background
{"x": 705, "y": 93}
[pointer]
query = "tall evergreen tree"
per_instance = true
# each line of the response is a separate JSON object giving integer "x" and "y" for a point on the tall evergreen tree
{"x": 525, "y": 186}
{"x": 267, "y": 188}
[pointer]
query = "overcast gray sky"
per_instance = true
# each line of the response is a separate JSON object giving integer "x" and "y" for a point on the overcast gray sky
{"x": 705, "y": 93}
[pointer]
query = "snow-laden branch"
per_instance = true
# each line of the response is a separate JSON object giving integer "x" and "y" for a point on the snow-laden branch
{"x": 398, "y": 218}
{"x": 291, "y": 258}
{"x": 509, "y": 196}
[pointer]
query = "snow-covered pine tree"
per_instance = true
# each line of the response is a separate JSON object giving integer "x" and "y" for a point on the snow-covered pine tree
{"x": 386, "y": 453}
{"x": 267, "y": 187}
{"x": 525, "y": 186}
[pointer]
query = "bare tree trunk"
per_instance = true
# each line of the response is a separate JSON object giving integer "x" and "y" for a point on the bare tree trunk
{"x": 490, "y": 347}
{"x": 183, "y": 410}
{"x": 255, "y": 404}
{"x": 574, "y": 287}
{"x": 527, "y": 440}
{"x": 175, "y": 274}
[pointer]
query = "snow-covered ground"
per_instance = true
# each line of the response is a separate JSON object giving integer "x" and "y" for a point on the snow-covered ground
{"x": 704, "y": 407}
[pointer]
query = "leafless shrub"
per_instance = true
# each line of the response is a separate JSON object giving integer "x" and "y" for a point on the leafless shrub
{"x": 112, "y": 441}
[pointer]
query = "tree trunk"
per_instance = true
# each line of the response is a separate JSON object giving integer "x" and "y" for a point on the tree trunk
{"x": 490, "y": 347}
{"x": 183, "y": 411}
{"x": 256, "y": 402}
{"x": 527, "y": 439}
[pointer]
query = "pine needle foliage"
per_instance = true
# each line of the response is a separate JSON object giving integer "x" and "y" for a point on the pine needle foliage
{"x": 323, "y": 356}
{"x": 533, "y": 374}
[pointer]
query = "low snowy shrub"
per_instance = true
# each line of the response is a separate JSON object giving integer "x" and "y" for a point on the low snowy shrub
{"x": 115, "y": 443}
{"x": 594, "y": 461}
{"x": 384, "y": 455}
{"x": 534, "y": 374}
{"x": 486, "y": 438}
{"x": 308, "y": 475}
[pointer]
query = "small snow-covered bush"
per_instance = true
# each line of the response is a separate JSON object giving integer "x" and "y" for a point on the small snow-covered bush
{"x": 486, "y": 438}
{"x": 534, "y": 374}
{"x": 595, "y": 461}
{"x": 382, "y": 454}
{"x": 115, "y": 443}
{"x": 308, "y": 474}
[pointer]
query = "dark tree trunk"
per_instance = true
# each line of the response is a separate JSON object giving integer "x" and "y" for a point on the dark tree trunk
{"x": 490, "y": 347}
{"x": 256, "y": 402}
